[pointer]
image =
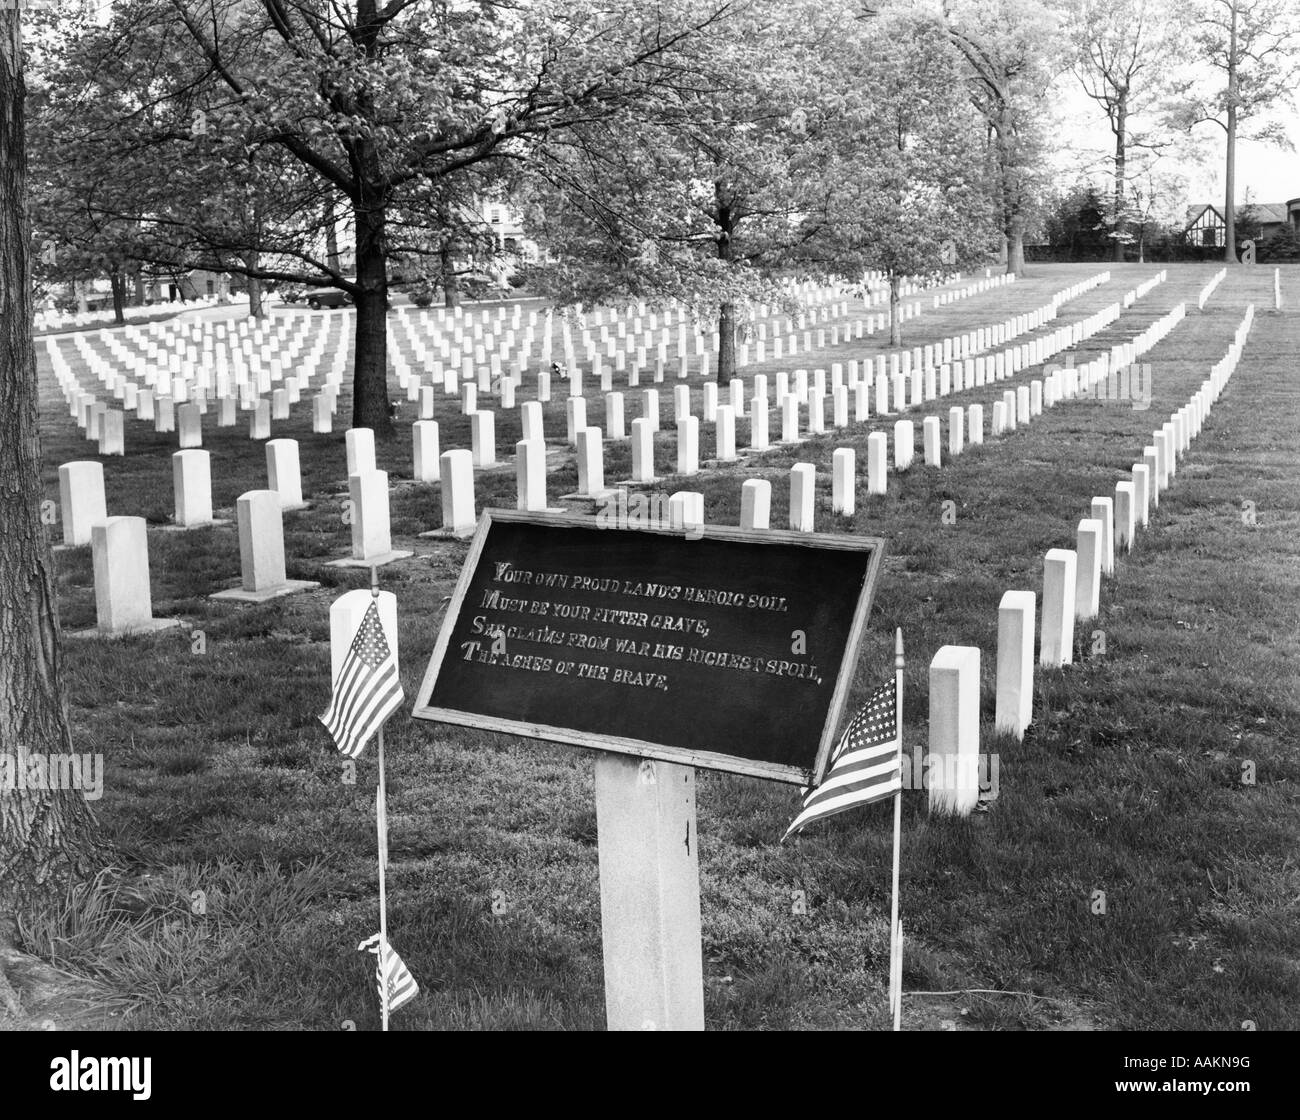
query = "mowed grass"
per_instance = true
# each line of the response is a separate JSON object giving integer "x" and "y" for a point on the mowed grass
{"x": 220, "y": 780}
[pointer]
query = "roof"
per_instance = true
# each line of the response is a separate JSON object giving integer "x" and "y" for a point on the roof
{"x": 1266, "y": 212}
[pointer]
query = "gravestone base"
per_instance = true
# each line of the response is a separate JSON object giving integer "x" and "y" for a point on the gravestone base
{"x": 215, "y": 523}
{"x": 150, "y": 627}
{"x": 374, "y": 562}
{"x": 450, "y": 534}
{"x": 599, "y": 498}
{"x": 638, "y": 483}
{"x": 288, "y": 587}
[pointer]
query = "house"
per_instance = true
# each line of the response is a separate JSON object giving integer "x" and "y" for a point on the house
{"x": 1205, "y": 225}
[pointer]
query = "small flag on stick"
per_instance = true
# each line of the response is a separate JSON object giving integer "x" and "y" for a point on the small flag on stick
{"x": 865, "y": 765}
{"x": 367, "y": 691}
{"x": 396, "y": 984}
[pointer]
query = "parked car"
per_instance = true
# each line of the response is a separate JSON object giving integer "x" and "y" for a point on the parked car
{"x": 331, "y": 297}
{"x": 328, "y": 297}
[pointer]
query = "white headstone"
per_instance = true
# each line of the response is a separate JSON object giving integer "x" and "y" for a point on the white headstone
{"x": 192, "y": 487}
{"x": 1125, "y": 506}
{"x": 932, "y": 440}
{"x": 954, "y": 730}
{"x": 591, "y": 462}
{"x": 283, "y": 473}
{"x": 1087, "y": 588}
{"x": 904, "y": 444}
{"x": 643, "y": 455}
{"x": 688, "y": 445}
{"x": 1056, "y": 639}
{"x": 1103, "y": 511}
{"x": 877, "y": 463}
{"x": 457, "y": 485}
{"x": 81, "y": 500}
{"x": 1015, "y": 682}
{"x": 803, "y": 486}
{"x": 261, "y": 550}
{"x": 360, "y": 446}
{"x": 483, "y": 439}
{"x": 755, "y": 503}
{"x": 120, "y": 550}
{"x": 189, "y": 421}
{"x": 425, "y": 450}
{"x": 843, "y": 481}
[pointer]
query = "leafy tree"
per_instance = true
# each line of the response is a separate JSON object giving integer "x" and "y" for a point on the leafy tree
{"x": 1125, "y": 61}
{"x": 709, "y": 201}
{"x": 1011, "y": 49}
{"x": 904, "y": 189}
{"x": 1252, "y": 44}
{"x": 385, "y": 105}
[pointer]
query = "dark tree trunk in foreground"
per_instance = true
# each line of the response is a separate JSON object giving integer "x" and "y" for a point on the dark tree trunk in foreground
{"x": 450, "y": 281}
{"x": 726, "y": 343}
{"x": 726, "y": 221}
{"x": 45, "y": 837}
{"x": 370, "y": 408}
{"x": 895, "y": 322}
{"x": 118, "y": 283}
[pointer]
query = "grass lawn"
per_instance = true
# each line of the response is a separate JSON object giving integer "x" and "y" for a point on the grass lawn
{"x": 220, "y": 780}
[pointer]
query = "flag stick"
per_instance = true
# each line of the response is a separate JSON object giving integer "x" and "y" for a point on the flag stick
{"x": 895, "y": 941}
{"x": 381, "y": 805}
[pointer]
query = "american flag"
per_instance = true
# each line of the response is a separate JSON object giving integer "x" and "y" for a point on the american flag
{"x": 864, "y": 766}
{"x": 367, "y": 691}
{"x": 396, "y": 984}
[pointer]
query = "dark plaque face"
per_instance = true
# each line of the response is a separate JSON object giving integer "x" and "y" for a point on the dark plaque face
{"x": 731, "y": 651}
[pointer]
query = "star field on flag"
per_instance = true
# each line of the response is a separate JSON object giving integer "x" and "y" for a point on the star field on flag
{"x": 865, "y": 765}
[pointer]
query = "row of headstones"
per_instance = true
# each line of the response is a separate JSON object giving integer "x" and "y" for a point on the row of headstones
{"x": 1208, "y": 290}
{"x": 1071, "y": 594}
{"x": 158, "y": 361}
{"x": 112, "y": 438}
{"x": 54, "y": 319}
{"x": 899, "y": 363}
{"x": 623, "y": 348}
{"x": 956, "y": 347}
{"x": 176, "y": 376}
{"x": 193, "y": 487}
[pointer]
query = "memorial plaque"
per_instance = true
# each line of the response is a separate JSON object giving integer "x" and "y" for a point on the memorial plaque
{"x": 729, "y": 649}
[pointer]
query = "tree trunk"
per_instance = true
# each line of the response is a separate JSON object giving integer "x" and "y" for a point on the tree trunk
{"x": 450, "y": 281}
{"x": 370, "y": 407}
{"x": 895, "y": 321}
{"x": 727, "y": 312}
{"x": 1121, "y": 158}
{"x": 255, "y": 305}
{"x": 1016, "y": 246}
{"x": 726, "y": 343}
{"x": 1230, "y": 189}
{"x": 118, "y": 283}
{"x": 46, "y": 836}
{"x": 137, "y": 283}
{"x": 331, "y": 234}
